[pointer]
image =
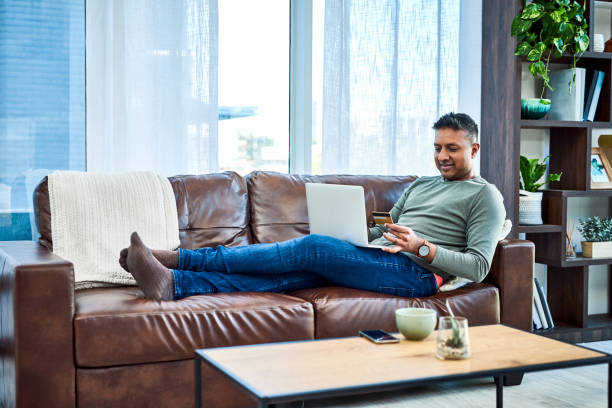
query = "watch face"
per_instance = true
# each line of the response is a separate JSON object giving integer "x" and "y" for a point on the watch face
{"x": 423, "y": 250}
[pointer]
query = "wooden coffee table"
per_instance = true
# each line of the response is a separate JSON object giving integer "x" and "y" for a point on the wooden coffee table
{"x": 303, "y": 370}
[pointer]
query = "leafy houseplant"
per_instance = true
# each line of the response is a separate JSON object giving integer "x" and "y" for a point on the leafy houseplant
{"x": 456, "y": 339}
{"x": 597, "y": 234}
{"x": 546, "y": 28}
{"x": 530, "y": 200}
{"x": 595, "y": 229}
{"x": 532, "y": 170}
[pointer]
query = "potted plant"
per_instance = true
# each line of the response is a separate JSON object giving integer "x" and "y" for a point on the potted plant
{"x": 530, "y": 200}
{"x": 547, "y": 28}
{"x": 597, "y": 234}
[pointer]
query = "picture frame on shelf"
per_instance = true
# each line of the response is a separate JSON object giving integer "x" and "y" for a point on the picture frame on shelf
{"x": 601, "y": 172}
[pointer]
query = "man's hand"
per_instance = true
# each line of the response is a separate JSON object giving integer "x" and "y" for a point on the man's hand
{"x": 406, "y": 240}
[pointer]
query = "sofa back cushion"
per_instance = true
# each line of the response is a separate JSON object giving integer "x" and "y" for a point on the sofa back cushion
{"x": 212, "y": 210}
{"x": 278, "y": 201}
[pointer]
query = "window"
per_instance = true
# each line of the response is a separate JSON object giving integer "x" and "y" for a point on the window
{"x": 42, "y": 102}
{"x": 318, "y": 17}
{"x": 204, "y": 86}
{"x": 253, "y": 85}
{"x": 382, "y": 73}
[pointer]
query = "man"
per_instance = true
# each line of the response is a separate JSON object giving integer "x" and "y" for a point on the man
{"x": 443, "y": 226}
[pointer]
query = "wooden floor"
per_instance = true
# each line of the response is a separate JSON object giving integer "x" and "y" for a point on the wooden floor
{"x": 583, "y": 387}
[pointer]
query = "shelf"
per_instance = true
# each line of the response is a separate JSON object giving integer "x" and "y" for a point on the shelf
{"x": 578, "y": 193}
{"x": 595, "y": 55}
{"x": 545, "y": 124}
{"x": 535, "y": 229}
{"x": 569, "y": 58}
{"x": 578, "y": 261}
{"x": 599, "y": 327}
{"x": 599, "y": 320}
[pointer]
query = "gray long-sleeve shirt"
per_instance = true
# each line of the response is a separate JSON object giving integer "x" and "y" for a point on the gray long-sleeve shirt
{"x": 463, "y": 218}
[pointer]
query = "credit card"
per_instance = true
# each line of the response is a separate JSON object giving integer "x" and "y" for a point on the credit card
{"x": 381, "y": 217}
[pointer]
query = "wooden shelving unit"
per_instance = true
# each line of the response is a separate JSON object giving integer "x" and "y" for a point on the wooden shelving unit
{"x": 547, "y": 124}
{"x": 539, "y": 228}
{"x": 570, "y": 148}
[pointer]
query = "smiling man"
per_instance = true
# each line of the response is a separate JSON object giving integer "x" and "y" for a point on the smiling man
{"x": 449, "y": 224}
{"x": 443, "y": 226}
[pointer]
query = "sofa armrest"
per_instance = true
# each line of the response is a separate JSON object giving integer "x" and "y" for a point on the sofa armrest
{"x": 36, "y": 330}
{"x": 512, "y": 272}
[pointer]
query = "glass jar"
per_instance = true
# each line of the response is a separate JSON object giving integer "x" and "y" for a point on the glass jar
{"x": 453, "y": 340}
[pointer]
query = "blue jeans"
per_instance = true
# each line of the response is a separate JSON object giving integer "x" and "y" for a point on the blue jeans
{"x": 300, "y": 263}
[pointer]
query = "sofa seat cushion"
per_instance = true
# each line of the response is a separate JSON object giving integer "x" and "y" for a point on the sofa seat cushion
{"x": 118, "y": 326}
{"x": 343, "y": 312}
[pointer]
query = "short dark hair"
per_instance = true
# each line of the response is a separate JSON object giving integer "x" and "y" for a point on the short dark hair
{"x": 458, "y": 121}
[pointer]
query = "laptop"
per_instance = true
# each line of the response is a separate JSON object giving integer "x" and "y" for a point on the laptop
{"x": 338, "y": 211}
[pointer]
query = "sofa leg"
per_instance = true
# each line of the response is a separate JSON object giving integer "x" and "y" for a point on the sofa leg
{"x": 513, "y": 379}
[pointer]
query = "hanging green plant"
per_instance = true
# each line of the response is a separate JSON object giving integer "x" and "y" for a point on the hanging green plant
{"x": 546, "y": 28}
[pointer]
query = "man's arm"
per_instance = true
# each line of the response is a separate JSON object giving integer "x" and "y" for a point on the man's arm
{"x": 482, "y": 233}
{"x": 378, "y": 230}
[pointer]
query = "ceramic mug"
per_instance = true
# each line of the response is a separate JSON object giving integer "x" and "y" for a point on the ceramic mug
{"x": 415, "y": 323}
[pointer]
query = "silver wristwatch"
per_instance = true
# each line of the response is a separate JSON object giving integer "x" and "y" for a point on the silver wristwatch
{"x": 423, "y": 250}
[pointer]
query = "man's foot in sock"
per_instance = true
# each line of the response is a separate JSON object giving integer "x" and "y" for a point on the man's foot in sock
{"x": 166, "y": 257}
{"x": 123, "y": 259}
{"x": 155, "y": 280}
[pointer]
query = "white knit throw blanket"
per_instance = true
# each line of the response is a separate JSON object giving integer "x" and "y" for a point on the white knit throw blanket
{"x": 93, "y": 215}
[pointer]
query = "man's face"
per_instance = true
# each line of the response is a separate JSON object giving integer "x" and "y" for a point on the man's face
{"x": 454, "y": 154}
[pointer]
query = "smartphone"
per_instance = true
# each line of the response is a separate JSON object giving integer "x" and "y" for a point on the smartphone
{"x": 381, "y": 217}
{"x": 378, "y": 336}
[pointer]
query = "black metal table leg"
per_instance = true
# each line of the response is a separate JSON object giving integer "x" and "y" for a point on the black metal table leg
{"x": 198, "y": 382}
{"x": 499, "y": 385}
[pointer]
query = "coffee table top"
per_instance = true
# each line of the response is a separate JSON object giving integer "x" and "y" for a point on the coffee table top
{"x": 314, "y": 367}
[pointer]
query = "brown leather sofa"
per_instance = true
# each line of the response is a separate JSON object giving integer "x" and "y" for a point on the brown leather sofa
{"x": 111, "y": 347}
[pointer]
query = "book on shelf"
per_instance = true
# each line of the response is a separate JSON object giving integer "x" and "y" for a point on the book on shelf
{"x": 537, "y": 323}
{"x": 539, "y": 308}
{"x": 545, "y": 308}
{"x": 591, "y": 97}
{"x": 567, "y": 101}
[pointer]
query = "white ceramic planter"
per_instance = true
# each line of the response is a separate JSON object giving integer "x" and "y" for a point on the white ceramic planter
{"x": 596, "y": 249}
{"x": 530, "y": 208}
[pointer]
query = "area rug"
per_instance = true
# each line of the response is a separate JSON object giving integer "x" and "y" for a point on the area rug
{"x": 584, "y": 387}
{"x": 603, "y": 346}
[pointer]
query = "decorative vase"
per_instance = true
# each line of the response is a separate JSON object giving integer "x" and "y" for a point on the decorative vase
{"x": 596, "y": 249}
{"x": 534, "y": 108}
{"x": 530, "y": 208}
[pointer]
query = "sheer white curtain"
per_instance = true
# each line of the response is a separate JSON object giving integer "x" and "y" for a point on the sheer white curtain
{"x": 152, "y": 85}
{"x": 391, "y": 68}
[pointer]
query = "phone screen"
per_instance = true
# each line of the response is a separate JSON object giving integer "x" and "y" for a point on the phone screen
{"x": 378, "y": 335}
